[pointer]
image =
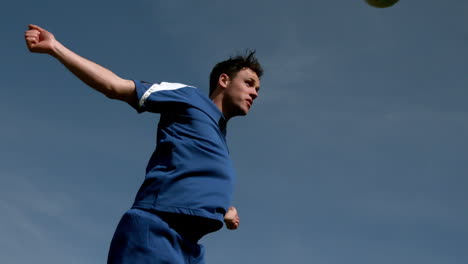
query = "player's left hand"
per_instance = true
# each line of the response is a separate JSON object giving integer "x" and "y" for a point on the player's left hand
{"x": 231, "y": 219}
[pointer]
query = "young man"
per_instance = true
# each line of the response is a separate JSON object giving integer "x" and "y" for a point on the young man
{"x": 189, "y": 178}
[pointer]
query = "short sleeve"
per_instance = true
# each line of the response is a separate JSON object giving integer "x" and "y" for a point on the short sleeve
{"x": 154, "y": 97}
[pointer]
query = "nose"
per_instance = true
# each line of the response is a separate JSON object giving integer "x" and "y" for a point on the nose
{"x": 254, "y": 94}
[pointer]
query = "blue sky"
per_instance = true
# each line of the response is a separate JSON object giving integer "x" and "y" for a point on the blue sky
{"x": 356, "y": 150}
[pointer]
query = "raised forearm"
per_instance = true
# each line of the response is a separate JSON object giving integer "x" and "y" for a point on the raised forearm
{"x": 40, "y": 40}
{"x": 94, "y": 75}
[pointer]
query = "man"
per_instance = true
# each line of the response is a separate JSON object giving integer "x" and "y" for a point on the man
{"x": 189, "y": 178}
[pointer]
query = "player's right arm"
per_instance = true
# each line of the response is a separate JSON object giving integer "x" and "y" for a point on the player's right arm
{"x": 101, "y": 79}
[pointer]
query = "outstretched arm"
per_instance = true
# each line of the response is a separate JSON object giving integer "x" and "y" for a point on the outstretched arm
{"x": 231, "y": 219}
{"x": 101, "y": 79}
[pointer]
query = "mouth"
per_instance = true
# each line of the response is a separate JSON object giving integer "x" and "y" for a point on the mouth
{"x": 250, "y": 102}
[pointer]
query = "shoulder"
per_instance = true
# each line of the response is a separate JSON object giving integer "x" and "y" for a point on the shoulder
{"x": 153, "y": 95}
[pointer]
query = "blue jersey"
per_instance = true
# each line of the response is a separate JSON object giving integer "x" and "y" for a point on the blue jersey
{"x": 190, "y": 171}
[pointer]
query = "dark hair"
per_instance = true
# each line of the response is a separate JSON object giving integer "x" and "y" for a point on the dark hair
{"x": 233, "y": 65}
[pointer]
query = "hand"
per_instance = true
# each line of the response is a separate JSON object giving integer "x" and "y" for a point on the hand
{"x": 39, "y": 40}
{"x": 231, "y": 219}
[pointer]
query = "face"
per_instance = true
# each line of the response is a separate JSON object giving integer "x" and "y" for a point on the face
{"x": 240, "y": 92}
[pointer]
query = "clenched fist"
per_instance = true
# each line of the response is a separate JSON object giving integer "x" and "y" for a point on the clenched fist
{"x": 231, "y": 219}
{"x": 39, "y": 40}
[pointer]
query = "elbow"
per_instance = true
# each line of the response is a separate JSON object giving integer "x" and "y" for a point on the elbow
{"x": 115, "y": 95}
{"x": 112, "y": 94}
{"x": 122, "y": 91}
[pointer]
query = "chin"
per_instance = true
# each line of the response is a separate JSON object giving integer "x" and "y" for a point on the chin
{"x": 241, "y": 112}
{"x": 244, "y": 112}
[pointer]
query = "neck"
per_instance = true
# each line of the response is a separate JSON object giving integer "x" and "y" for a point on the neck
{"x": 218, "y": 100}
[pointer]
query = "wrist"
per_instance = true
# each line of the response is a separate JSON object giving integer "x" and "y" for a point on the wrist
{"x": 56, "y": 49}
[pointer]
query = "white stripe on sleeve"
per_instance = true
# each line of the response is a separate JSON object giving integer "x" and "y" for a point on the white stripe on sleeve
{"x": 160, "y": 87}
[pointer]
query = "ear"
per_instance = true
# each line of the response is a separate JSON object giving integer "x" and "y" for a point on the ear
{"x": 223, "y": 80}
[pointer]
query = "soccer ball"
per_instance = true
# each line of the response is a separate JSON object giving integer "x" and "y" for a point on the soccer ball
{"x": 381, "y": 3}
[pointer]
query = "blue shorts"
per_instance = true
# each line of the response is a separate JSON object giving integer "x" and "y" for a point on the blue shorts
{"x": 143, "y": 237}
